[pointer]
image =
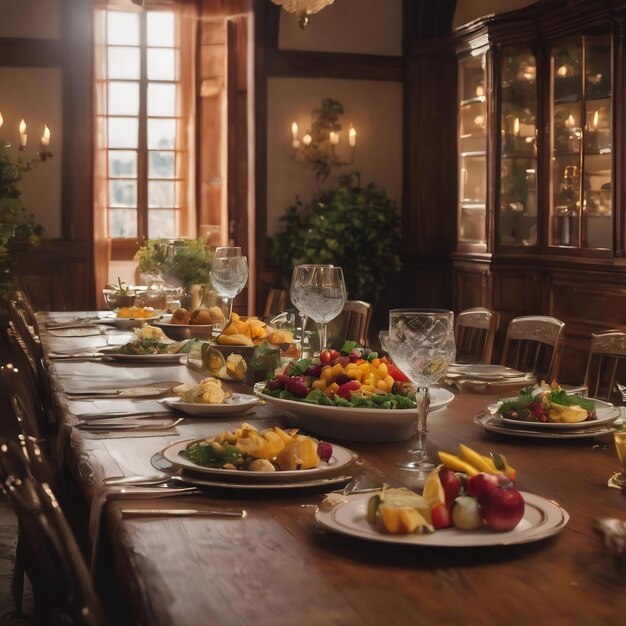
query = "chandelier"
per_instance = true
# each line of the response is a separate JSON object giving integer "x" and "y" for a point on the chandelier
{"x": 303, "y": 8}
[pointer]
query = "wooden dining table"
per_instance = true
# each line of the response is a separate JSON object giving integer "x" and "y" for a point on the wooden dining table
{"x": 278, "y": 566}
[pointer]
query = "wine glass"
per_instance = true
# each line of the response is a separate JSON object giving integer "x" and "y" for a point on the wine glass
{"x": 319, "y": 292}
{"x": 619, "y": 437}
{"x": 229, "y": 273}
{"x": 298, "y": 285}
{"x": 421, "y": 344}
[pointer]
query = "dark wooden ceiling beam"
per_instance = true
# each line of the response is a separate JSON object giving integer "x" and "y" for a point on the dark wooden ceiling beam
{"x": 305, "y": 64}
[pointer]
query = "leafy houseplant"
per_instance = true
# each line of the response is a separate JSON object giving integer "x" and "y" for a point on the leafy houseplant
{"x": 18, "y": 231}
{"x": 353, "y": 227}
{"x": 185, "y": 261}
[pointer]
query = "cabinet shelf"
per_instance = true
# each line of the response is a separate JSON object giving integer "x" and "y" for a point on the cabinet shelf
{"x": 475, "y": 100}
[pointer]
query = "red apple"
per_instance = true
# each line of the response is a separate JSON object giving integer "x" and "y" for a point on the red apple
{"x": 441, "y": 517}
{"x": 451, "y": 485}
{"x": 480, "y": 484}
{"x": 502, "y": 508}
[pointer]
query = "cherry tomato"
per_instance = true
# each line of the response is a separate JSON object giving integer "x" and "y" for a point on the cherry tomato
{"x": 328, "y": 355}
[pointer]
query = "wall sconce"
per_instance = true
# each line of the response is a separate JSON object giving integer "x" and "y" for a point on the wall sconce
{"x": 303, "y": 8}
{"x": 43, "y": 154}
{"x": 319, "y": 146}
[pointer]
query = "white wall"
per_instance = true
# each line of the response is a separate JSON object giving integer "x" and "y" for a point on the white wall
{"x": 363, "y": 26}
{"x": 35, "y": 94}
{"x": 375, "y": 109}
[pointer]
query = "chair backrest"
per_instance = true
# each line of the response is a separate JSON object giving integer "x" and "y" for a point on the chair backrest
{"x": 276, "y": 303}
{"x": 352, "y": 324}
{"x": 31, "y": 344}
{"x": 475, "y": 330}
{"x": 20, "y": 413}
{"x": 25, "y": 304}
{"x": 606, "y": 365}
{"x": 534, "y": 343}
{"x": 62, "y": 585}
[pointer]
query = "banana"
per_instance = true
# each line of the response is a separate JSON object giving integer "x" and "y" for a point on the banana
{"x": 477, "y": 460}
{"x": 457, "y": 464}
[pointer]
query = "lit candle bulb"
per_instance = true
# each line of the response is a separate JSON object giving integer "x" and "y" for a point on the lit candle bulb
{"x": 352, "y": 137}
{"x": 570, "y": 120}
{"x": 23, "y": 135}
{"x": 294, "y": 133}
{"x": 480, "y": 91}
{"x": 45, "y": 138}
{"x": 516, "y": 127}
{"x": 334, "y": 138}
{"x": 306, "y": 140}
{"x": 596, "y": 118}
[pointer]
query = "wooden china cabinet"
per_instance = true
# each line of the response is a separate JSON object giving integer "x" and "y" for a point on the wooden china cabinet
{"x": 541, "y": 168}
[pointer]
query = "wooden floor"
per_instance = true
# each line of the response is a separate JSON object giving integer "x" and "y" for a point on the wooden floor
{"x": 8, "y": 538}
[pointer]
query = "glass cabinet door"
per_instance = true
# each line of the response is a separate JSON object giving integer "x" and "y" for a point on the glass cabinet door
{"x": 473, "y": 153}
{"x": 581, "y": 140}
{"x": 517, "y": 209}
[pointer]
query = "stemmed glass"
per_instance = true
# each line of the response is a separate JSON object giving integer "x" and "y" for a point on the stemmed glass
{"x": 318, "y": 292}
{"x": 296, "y": 289}
{"x": 421, "y": 343}
{"x": 229, "y": 273}
{"x": 619, "y": 437}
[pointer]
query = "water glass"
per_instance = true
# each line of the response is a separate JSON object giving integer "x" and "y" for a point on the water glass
{"x": 319, "y": 292}
{"x": 229, "y": 273}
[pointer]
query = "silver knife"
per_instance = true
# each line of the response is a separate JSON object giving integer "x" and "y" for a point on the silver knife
{"x": 182, "y": 513}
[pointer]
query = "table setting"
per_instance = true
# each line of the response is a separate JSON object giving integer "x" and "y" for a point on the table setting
{"x": 137, "y": 425}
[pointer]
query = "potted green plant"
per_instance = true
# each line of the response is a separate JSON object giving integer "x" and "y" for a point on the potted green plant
{"x": 19, "y": 232}
{"x": 356, "y": 228}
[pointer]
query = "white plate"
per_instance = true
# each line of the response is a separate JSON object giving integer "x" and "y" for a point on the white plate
{"x": 302, "y": 484}
{"x": 126, "y": 323}
{"x": 494, "y": 424}
{"x": 483, "y": 371}
{"x": 140, "y": 358}
{"x": 605, "y": 413}
{"x": 237, "y": 403}
{"x": 356, "y": 424}
{"x": 542, "y": 518}
{"x": 340, "y": 461}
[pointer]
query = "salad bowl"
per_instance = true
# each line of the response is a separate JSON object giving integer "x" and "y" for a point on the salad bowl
{"x": 352, "y": 423}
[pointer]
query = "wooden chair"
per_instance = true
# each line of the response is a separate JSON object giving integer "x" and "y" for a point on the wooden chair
{"x": 606, "y": 365}
{"x": 276, "y": 303}
{"x": 62, "y": 585}
{"x": 474, "y": 331}
{"x": 534, "y": 343}
{"x": 352, "y": 324}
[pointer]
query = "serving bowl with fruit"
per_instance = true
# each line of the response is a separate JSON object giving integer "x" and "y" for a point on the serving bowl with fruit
{"x": 196, "y": 324}
{"x": 349, "y": 394}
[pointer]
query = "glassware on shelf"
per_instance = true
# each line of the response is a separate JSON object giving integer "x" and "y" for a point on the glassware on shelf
{"x": 319, "y": 293}
{"x": 229, "y": 273}
{"x": 421, "y": 343}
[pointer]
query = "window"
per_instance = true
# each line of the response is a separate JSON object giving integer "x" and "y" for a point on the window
{"x": 144, "y": 123}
